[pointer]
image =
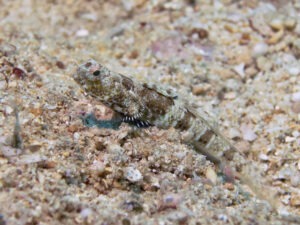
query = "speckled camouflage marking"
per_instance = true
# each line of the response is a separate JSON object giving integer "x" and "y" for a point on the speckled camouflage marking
{"x": 148, "y": 104}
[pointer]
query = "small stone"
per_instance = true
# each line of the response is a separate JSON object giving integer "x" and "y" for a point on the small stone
{"x": 3, "y": 161}
{"x": 211, "y": 175}
{"x": 90, "y": 17}
{"x": 29, "y": 158}
{"x": 201, "y": 89}
{"x": 154, "y": 183}
{"x": 230, "y": 95}
{"x": 229, "y": 174}
{"x": 296, "y": 97}
{"x": 133, "y": 54}
{"x": 286, "y": 199}
{"x": 60, "y": 65}
{"x": 200, "y": 32}
{"x": 223, "y": 217}
{"x": 35, "y": 146}
{"x": 82, "y": 33}
{"x": 47, "y": 164}
{"x": 98, "y": 168}
{"x": 263, "y": 63}
{"x": 276, "y": 24}
{"x": 8, "y": 110}
{"x": 294, "y": 71}
{"x": 234, "y": 133}
{"x": 295, "y": 180}
{"x": 243, "y": 146}
{"x": 65, "y": 153}
{"x": 37, "y": 111}
{"x": 7, "y": 49}
{"x": 248, "y": 133}
{"x": 260, "y": 49}
{"x": 263, "y": 157}
{"x": 76, "y": 136}
{"x": 170, "y": 201}
{"x": 128, "y": 4}
{"x": 296, "y": 107}
{"x": 290, "y": 23}
{"x": 229, "y": 186}
{"x": 245, "y": 39}
{"x": 132, "y": 174}
{"x": 240, "y": 70}
{"x": 8, "y": 151}
{"x": 251, "y": 71}
{"x": 115, "y": 148}
{"x": 86, "y": 212}
{"x": 289, "y": 139}
{"x": 296, "y": 133}
{"x": 295, "y": 200}
{"x": 285, "y": 174}
{"x": 275, "y": 38}
{"x": 230, "y": 28}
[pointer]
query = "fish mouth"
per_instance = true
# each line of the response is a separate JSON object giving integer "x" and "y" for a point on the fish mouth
{"x": 78, "y": 77}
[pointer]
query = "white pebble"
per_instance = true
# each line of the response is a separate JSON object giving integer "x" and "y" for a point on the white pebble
{"x": 211, "y": 175}
{"x": 86, "y": 212}
{"x": 296, "y": 133}
{"x": 30, "y": 158}
{"x": 240, "y": 70}
{"x": 248, "y": 133}
{"x": 277, "y": 24}
{"x": 263, "y": 157}
{"x": 294, "y": 71}
{"x": 234, "y": 133}
{"x": 285, "y": 173}
{"x": 132, "y": 174}
{"x": 285, "y": 200}
{"x": 128, "y": 4}
{"x": 82, "y": 33}
{"x": 76, "y": 136}
{"x": 289, "y": 139}
{"x": 295, "y": 180}
{"x": 260, "y": 49}
{"x": 90, "y": 17}
{"x": 223, "y": 217}
{"x": 230, "y": 95}
{"x": 8, "y": 110}
{"x": 296, "y": 97}
{"x": 290, "y": 23}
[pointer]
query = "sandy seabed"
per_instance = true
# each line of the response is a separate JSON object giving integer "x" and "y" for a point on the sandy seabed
{"x": 237, "y": 60}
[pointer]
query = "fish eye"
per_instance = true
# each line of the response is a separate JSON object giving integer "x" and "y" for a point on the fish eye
{"x": 96, "y": 73}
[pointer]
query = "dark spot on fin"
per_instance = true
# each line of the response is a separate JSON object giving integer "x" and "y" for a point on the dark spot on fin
{"x": 209, "y": 155}
{"x": 205, "y": 138}
{"x": 136, "y": 122}
{"x": 127, "y": 83}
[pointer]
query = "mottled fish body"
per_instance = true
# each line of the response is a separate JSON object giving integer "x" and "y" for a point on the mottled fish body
{"x": 144, "y": 104}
